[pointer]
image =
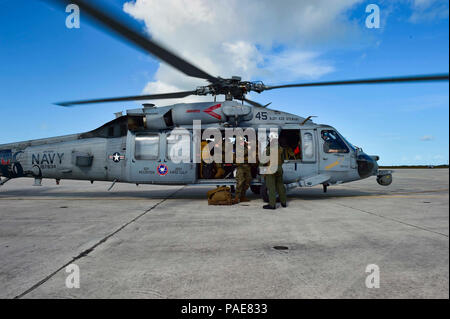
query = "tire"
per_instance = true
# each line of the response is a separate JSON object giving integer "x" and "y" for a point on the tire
{"x": 256, "y": 189}
{"x": 264, "y": 194}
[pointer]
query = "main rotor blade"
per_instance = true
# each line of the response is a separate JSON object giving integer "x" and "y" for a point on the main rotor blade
{"x": 132, "y": 98}
{"x": 403, "y": 79}
{"x": 139, "y": 39}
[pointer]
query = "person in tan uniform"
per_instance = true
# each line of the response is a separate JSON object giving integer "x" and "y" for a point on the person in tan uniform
{"x": 243, "y": 175}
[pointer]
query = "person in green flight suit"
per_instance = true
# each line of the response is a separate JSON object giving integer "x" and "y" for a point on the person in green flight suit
{"x": 243, "y": 174}
{"x": 274, "y": 176}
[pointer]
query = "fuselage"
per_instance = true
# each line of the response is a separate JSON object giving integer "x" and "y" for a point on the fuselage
{"x": 135, "y": 148}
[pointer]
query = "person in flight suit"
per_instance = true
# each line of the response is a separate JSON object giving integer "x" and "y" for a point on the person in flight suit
{"x": 243, "y": 174}
{"x": 274, "y": 180}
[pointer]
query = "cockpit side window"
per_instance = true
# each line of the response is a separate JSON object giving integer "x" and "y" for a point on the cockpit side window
{"x": 333, "y": 143}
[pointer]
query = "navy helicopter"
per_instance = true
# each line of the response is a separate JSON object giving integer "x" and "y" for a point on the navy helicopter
{"x": 136, "y": 147}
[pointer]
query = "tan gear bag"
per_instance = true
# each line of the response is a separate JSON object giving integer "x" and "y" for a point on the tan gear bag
{"x": 220, "y": 196}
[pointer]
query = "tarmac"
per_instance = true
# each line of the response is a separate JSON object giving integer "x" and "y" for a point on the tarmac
{"x": 166, "y": 242}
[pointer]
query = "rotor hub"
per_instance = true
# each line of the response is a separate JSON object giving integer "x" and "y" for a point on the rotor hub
{"x": 233, "y": 87}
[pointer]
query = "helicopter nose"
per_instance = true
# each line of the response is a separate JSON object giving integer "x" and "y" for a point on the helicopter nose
{"x": 367, "y": 165}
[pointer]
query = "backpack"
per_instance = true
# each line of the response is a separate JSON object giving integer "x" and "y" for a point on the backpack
{"x": 220, "y": 196}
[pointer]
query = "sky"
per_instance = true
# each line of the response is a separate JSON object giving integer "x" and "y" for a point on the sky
{"x": 278, "y": 42}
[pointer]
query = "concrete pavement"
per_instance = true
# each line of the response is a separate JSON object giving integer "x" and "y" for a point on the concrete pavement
{"x": 166, "y": 242}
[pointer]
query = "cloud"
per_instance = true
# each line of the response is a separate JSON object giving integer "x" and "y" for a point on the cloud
{"x": 427, "y": 138}
{"x": 428, "y": 10}
{"x": 273, "y": 41}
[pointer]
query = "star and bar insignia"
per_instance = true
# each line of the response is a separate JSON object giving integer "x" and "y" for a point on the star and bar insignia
{"x": 116, "y": 157}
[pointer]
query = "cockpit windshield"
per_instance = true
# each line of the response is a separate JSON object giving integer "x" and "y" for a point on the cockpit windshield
{"x": 353, "y": 147}
{"x": 333, "y": 143}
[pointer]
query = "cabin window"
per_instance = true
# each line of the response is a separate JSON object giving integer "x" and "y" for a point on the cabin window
{"x": 333, "y": 143}
{"x": 179, "y": 148}
{"x": 146, "y": 147}
{"x": 308, "y": 146}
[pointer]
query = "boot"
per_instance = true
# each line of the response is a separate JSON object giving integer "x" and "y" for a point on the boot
{"x": 268, "y": 207}
{"x": 235, "y": 200}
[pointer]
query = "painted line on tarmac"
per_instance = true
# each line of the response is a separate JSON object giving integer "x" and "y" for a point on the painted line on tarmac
{"x": 91, "y": 249}
{"x": 395, "y": 220}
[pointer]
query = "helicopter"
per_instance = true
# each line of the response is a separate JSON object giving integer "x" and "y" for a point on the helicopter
{"x": 137, "y": 147}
